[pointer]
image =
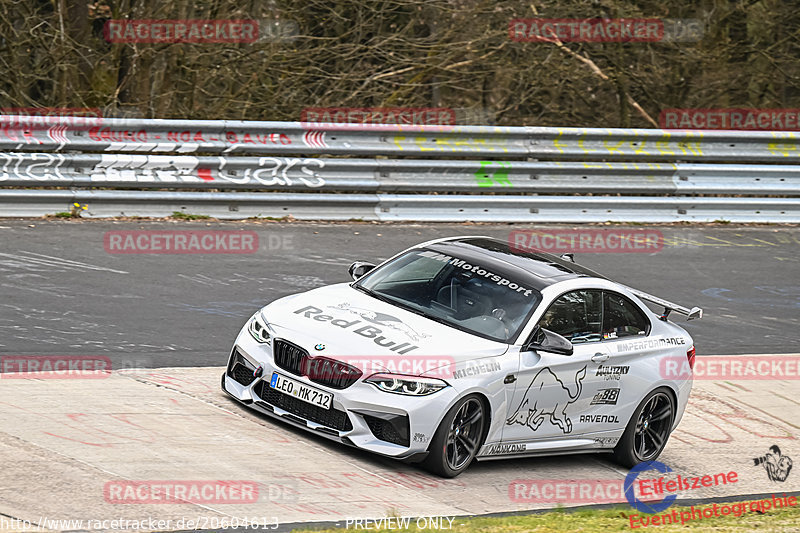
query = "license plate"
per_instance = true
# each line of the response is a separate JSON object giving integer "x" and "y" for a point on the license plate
{"x": 301, "y": 391}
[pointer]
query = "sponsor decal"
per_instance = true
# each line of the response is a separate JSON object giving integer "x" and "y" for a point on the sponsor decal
{"x": 561, "y": 490}
{"x": 612, "y": 372}
{"x": 605, "y": 397}
{"x": 587, "y": 241}
{"x": 502, "y": 449}
{"x": 606, "y": 441}
{"x": 599, "y": 419}
{"x": 775, "y": 463}
{"x": 382, "y": 319}
{"x": 648, "y": 344}
{"x": 500, "y": 280}
{"x": 535, "y": 407}
{"x": 420, "y": 437}
{"x": 718, "y": 367}
{"x": 476, "y": 368}
{"x": 367, "y": 331}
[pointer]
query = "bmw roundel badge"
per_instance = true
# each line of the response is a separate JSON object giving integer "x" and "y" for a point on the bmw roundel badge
{"x": 319, "y": 347}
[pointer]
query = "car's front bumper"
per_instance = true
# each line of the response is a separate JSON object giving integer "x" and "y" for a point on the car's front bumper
{"x": 359, "y": 416}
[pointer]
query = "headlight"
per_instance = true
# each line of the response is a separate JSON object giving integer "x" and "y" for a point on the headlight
{"x": 407, "y": 385}
{"x": 258, "y": 329}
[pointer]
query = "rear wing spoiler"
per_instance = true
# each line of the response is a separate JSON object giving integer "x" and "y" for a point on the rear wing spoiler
{"x": 694, "y": 312}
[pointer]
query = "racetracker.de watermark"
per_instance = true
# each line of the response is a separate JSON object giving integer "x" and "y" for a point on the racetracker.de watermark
{"x": 149, "y": 523}
{"x": 375, "y": 117}
{"x": 720, "y": 367}
{"x": 436, "y": 366}
{"x": 54, "y": 366}
{"x": 181, "y": 491}
{"x": 730, "y": 119}
{"x": 180, "y": 31}
{"x": 562, "y": 491}
{"x": 605, "y": 30}
{"x": 43, "y": 117}
{"x": 587, "y": 241}
{"x": 187, "y": 242}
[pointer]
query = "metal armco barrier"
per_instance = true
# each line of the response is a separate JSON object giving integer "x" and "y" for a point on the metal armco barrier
{"x": 480, "y": 173}
{"x": 22, "y": 133}
{"x": 401, "y": 207}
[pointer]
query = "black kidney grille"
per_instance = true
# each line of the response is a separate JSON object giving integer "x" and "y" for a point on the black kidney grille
{"x": 289, "y": 356}
{"x": 323, "y": 370}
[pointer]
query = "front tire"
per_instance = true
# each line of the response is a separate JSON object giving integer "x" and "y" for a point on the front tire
{"x": 648, "y": 430}
{"x": 458, "y": 438}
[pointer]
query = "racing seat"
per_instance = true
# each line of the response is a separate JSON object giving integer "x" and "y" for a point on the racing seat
{"x": 464, "y": 298}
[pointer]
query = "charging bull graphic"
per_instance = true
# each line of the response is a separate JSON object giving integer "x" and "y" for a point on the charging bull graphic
{"x": 777, "y": 466}
{"x": 547, "y": 395}
{"x": 382, "y": 319}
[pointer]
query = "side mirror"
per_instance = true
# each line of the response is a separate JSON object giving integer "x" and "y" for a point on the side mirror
{"x": 359, "y": 268}
{"x": 549, "y": 341}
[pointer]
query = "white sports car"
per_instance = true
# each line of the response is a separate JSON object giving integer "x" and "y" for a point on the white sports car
{"x": 465, "y": 348}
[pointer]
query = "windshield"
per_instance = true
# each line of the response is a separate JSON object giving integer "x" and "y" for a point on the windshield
{"x": 480, "y": 299}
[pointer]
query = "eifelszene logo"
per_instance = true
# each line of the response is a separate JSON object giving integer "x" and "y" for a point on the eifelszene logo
{"x": 630, "y": 495}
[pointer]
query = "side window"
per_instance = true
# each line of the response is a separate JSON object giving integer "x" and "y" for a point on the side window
{"x": 575, "y": 316}
{"x": 622, "y": 318}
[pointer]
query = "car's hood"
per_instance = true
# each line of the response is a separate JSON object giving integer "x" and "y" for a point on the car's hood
{"x": 350, "y": 323}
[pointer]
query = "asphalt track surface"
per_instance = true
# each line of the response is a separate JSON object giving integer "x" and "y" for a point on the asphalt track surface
{"x": 157, "y": 316}
{"x": 60, "y": 453}
{"x": 63, "y": 294}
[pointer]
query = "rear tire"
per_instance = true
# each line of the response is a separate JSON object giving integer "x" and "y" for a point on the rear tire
{"x": 458, "y": 438}
{"x": 648, "y": 430}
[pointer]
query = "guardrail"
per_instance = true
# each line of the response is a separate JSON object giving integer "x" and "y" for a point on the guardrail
{"x": 503, "y": 174}
{"x": 224, "y": 136}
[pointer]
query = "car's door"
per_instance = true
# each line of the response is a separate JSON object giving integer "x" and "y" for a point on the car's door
{"x": 553, "y": 393}
{"x": 633, "y": 355}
